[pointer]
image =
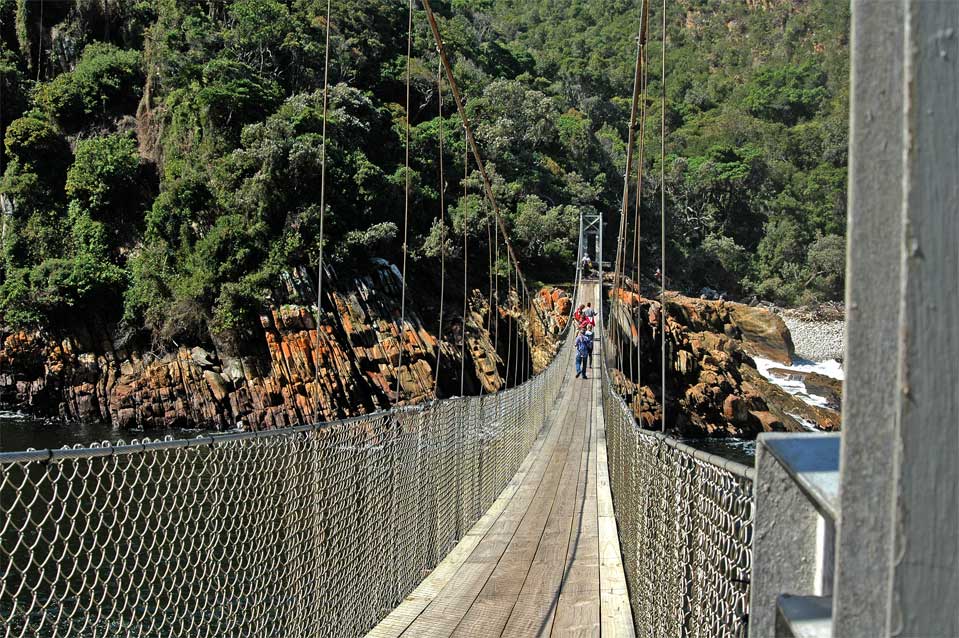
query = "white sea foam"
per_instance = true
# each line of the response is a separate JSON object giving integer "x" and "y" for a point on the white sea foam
{"x": 828, "y": 368}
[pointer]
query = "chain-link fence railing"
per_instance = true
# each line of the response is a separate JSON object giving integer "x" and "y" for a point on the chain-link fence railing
{"x": 685, "y": 528}
{"x": 310, "y": 531}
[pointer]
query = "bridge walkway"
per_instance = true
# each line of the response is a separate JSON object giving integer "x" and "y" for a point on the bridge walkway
{"x": 545, "y": 559}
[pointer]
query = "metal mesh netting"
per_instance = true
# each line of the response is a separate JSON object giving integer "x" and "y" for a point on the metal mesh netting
{"x": 309, "y": 531}
{"x": 685, "y": 528}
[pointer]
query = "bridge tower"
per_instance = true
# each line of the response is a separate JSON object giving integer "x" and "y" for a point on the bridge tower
{"x": 591, "y": 238}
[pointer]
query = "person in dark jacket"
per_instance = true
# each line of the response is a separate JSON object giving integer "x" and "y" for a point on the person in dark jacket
{"x": 583, "y": 345}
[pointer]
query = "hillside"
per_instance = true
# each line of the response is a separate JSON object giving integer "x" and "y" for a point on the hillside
{"x": 164, "y": 167}
{"x": 756, "y": 118}
{"x": 161, "y": 158}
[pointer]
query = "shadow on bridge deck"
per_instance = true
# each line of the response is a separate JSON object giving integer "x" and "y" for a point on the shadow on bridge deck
{"x": 545, "y": 559}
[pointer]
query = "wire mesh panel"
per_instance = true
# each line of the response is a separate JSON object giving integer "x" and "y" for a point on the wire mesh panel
{"x": 309, "y": 531}
{"x": 685, "y": 525}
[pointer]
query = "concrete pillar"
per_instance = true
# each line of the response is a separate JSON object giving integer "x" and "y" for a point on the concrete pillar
{"x": 897, "y": 569}
{"x": 784, "y": 541}
{"x": 861, "y": 590}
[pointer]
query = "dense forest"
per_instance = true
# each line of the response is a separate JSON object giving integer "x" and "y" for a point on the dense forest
{"x": 161, "y": 158}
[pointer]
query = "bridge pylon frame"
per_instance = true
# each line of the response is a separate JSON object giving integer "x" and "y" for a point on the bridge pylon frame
{"x": 591, "y": 225}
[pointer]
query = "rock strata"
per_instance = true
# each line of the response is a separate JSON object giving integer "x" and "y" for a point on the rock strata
{"x": 360, "y": 360}
{"x": 712, "y": 385}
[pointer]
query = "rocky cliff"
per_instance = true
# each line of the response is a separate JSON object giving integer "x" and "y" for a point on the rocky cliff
{"x": 288, "y": 372}
{"x": 712, "y": 385}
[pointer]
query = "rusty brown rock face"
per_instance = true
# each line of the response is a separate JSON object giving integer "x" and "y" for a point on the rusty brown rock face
{"x": 712, "y": 385}
{"x": 290, "y": 373}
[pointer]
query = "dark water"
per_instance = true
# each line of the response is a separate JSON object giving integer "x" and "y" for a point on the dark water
{"x": 19, "y": 432}
{"x": 734, "y": 449}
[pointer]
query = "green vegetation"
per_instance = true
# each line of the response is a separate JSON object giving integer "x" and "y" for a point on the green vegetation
{"x": 161, "y": 158}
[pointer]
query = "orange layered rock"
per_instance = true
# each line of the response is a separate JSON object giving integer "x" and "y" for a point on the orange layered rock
{"x": 290, "y": 374}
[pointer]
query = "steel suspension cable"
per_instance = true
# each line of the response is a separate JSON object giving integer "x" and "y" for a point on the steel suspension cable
{"x": 509, "y": 324}
{"x": 662, "y": 213}
{"x": 406, "y": 201}
{"x": 519, "y": 319}
{"x": 466, "y": 291}
{"x": 616, "y": 336}
{"x": 640, "y": 170}
{"x": 515, "y": 326}
{"x": 526, "y": 307}
{"x": 496, "y": 318}
{"x": 319, "y": 268}
{"x": 439, "y": 336}
{"x": 489, "y": 246}
{"x": 481, "y": 166}
{"x": 40, "y": 44}
{"x": 637, "y": 208}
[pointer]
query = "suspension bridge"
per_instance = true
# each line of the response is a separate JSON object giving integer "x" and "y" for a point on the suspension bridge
{"x": 543, "y": 509}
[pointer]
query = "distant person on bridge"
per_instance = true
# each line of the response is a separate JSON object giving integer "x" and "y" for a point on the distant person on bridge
{"x": 590, "y": 313}
{"x": 587, "y": 319}
{"x": 587, "y": 265}
{"x": 583, "y": 346}
{"x": 578, "y": 315}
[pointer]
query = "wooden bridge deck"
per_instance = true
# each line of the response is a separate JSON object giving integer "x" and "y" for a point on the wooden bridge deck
{"x": 545, "y": 559}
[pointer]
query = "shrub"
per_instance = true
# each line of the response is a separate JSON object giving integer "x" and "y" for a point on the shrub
{"x": 104, "y": 173}
{"x": 106, "y": 82}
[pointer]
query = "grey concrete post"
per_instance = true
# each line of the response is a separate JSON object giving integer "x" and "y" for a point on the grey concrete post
{"x": 925, "y": 555}
{"x": 861, "y": 590}
{"x": 784, "y": 541}
{"x": 898, "y": 555}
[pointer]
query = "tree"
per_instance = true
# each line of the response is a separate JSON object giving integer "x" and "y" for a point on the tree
{"x": 105, "y": 83}
{"x": 103, "y": 177}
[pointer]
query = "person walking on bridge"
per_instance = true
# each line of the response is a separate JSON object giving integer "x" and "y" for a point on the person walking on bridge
{"x": 589, "y": 351}
{"x": 583, "y": 346}
{"x": 590, "y": 313}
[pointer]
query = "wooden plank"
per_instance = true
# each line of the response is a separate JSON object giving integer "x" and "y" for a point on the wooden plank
{"x": 615, "y": 611}
{"x": 493, "y": 606}
{"x": 578, "y": 611}
{"x": 535, "y": 610}
{"x": 451, "y": 607}
{"x": 514, "y": 499}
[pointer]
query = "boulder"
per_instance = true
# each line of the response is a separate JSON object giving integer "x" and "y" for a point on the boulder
{"x": 734, "y": 410}
{"x": 217, "y": 384}
{"x": 768, "y": 421}
{"x": 201, "y": 357}
{"x": 763, "y": 333}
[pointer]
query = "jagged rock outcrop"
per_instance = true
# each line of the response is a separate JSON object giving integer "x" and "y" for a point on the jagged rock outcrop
{"x": 712, "y": 385}
{"x": 761, "y": 333}
{"x": 819, "y": 384}
{"x": 290, "y": 374}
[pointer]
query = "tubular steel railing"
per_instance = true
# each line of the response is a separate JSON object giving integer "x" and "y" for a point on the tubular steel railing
{"x": 308, "y": 531}
{"x": 685, "y": 529}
